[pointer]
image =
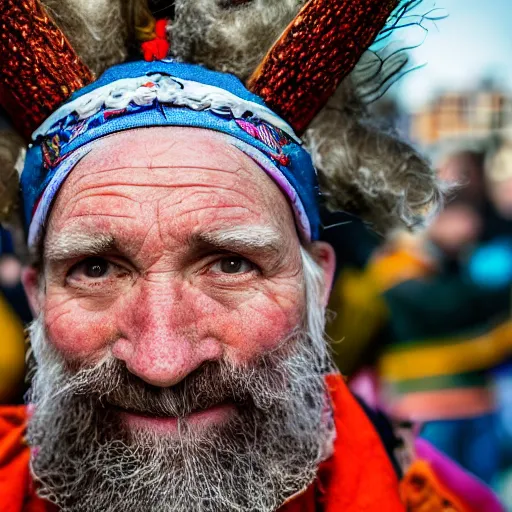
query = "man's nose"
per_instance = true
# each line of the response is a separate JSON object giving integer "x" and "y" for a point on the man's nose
{"x": 161, "y": 342}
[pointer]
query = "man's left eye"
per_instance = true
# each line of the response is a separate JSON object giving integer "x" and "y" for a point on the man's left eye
{"x": 232, "y": 265}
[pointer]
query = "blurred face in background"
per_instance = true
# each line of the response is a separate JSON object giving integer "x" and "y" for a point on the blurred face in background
{"x": 499, "y": 181}
{"x": 500, "y": 194}
{"x": 465, "y": 170}
{"x": 460, "y": 223}
{"x": 456, "y": 228}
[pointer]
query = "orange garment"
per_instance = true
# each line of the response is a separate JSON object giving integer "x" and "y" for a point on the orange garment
{"x": 357, "y": 478}
{"x": 16, "y": 490}
{"x": 422, "y": 491}
{"x": 403, "y": 260}
{"x": 12, "y": 353}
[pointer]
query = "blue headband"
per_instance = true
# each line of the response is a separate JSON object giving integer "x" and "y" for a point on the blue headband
{"x": 165, "y": 93}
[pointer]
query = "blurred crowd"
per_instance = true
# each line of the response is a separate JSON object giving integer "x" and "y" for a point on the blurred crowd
{"x": 421, "y": 323}
{"x": 14, "y": 315}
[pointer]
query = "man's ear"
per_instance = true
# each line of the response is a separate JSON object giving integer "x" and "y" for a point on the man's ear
{"x": 323, "y": 253}
{"x": 30, "y": 280}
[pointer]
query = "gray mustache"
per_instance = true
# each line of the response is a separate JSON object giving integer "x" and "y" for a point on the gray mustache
{"x": 212, "y": 384}
{"x": 206, "y": 387}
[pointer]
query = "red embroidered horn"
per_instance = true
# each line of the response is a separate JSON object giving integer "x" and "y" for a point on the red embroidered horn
{"x": 316, "y": 51}
{"x": 38, "y": 67}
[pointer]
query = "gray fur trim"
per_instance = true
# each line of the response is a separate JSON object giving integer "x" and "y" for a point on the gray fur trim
{"x": 232, "y": 40}
{"x": 362, "y": 168}
{"x": 11, "y": 145}
{"x": 97, "y": 29}
{"x": 367, "y": 171}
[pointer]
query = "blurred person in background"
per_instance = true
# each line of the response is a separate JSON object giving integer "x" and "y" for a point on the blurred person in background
{"x": 13, "y": 313}
{"x": 491, "y": 265}
{"x": 498, "y": 177}
{"x": 14, "y": 309}
{"x": 10, "y": 278}
{"x": 435, "y": 330}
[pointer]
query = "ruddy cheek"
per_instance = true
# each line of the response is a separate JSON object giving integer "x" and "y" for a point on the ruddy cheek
{"x": 254, "y": 332}
{"x": 77, "y": 333}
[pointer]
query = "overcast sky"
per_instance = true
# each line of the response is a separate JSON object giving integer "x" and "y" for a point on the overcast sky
{"x": 473, "y": 42}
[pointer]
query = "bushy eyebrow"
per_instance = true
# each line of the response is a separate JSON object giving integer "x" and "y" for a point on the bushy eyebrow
{"x": 247, "y": 239}
{"x": 66, "y": 245}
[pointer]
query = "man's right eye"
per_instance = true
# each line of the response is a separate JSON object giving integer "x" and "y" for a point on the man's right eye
{"x": 91, "y": 268}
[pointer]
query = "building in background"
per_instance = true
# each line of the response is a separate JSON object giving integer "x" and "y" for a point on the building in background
{"x": 462, "y": 117}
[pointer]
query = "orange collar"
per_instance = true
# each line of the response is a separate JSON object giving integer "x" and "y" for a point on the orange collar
{"x": 359, "y": 476}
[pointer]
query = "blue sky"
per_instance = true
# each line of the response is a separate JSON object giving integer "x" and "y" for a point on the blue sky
{"x": 474, "y": 41}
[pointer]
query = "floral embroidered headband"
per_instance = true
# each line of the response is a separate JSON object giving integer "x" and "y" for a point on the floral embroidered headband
{"x": 165, "y": 93}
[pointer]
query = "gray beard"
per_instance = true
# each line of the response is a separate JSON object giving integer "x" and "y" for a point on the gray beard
{"x": 86, "y": 459}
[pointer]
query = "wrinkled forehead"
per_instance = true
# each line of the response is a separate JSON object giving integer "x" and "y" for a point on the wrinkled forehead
{"x": 184, "y": 170}
{"x": 164, "y": 147}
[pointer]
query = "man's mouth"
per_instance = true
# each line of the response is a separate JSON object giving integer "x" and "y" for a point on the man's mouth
{"x": 200, "y": 419}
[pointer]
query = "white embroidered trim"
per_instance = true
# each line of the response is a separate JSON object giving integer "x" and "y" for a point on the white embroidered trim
{"x": 167, "y": 89}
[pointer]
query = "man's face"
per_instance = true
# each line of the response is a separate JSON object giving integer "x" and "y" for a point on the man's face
{"x": 175, "y": 356}
{"x": 162, "y": 247}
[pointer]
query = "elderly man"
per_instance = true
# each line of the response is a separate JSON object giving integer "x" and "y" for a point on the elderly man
{"x": 179, "y": 286}
{"x": 181, "y": 363}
